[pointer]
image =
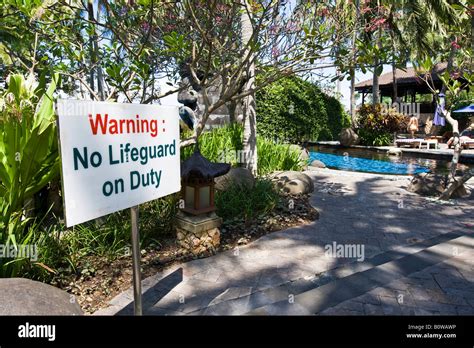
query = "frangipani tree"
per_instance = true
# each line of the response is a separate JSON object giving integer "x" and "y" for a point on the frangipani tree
{"x": 234, "y": 41}
{"x": 459, "y": 76}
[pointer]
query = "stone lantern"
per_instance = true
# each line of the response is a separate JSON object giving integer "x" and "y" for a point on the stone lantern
{"x": 197, "y": 225}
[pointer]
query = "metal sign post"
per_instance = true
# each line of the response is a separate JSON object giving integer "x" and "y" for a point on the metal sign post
{"x": 136, "y": 255}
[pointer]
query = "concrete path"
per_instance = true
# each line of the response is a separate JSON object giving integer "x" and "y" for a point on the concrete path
{"x": 403, "y": 254}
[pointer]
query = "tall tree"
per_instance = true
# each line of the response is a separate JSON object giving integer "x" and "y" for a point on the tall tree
{"x": 249, "y": 104}
{"x": 354, "y": 60}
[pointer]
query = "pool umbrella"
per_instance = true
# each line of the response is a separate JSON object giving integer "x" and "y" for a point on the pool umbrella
{"x": 466, "y": 109}
{"x": 439, "y": 119}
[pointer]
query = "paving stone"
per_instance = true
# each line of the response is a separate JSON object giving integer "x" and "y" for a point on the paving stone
{"x": 369, "y": 298}
{"x": 390, "y": 305}
{"x": 465, "y": 310}
{"x": 404, "y": 298}
{"x": 338, "y": 311}
{"x": 421, "y": 311}
{"x": 161, "y": 312}
{"x": 413, "y": 240}
{"x": 408, "y": 310}
{"x": 445, "y": 309}
{"x": 300, "y": 285}
{"x": 382, "y": 291}
{"x": 286, "y": 308}
{"x": 372, "y": 309}
{"x": 227, "y": 294}
{"x": 223, "y": 308}
{"x": 398, "y": 285}
{"x": 418, "y": 293}
{"x": 352, "y": 306}
{"x": 466, "y": 294}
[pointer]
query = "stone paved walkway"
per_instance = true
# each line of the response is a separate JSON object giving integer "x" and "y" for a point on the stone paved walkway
{"x": 418, "y": 259}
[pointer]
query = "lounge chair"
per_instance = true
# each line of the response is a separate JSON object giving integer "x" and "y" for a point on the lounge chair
{"x": 466, "y": 143}
{"x": 410, "y": 142}
{"x": 466, "y": 138}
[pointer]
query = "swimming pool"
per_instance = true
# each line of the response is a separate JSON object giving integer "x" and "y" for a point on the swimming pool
{"x": 361, "y": 160}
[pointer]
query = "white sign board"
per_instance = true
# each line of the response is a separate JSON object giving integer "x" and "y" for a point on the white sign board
{"x": 115, "y": 156}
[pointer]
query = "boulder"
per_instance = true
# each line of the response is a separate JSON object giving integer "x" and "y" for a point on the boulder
{"x": 430, "y": 184}
{"x": 348, "y": 137}
{"x": 461, "y": 192}
{"x": 293, "y": 182}
{"x": 20, "y": 296}
{"x": 317, "y": 164}
{"x": 394, "y": 152}
{"x": 427, "y": 184}
{"x": 304, "y": 154}
{"x": 236, "y": 176}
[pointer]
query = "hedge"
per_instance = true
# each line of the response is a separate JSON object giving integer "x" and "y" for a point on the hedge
{"x": 294, "y": 110}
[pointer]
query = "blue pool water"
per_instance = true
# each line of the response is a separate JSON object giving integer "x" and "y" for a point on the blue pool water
{"x": 359, "y": 164}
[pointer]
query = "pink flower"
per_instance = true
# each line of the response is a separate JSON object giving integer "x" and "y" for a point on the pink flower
{"x": 324, "y": 12}
{"x": 275, "y": 52}
{"x": 455, "y": 45}
{"x": 145, "y": 26}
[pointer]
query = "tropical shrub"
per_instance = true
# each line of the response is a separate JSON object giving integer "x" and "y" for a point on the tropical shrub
{"x": 376, "y": 124}
{"x": 273, "y": 157}
{"x": 373, "y": 138}
{"x": 28, "y": 157}
{"x": 247, "y": 203}
{"x": 337, "y": 117}
{"x": 218, "y": 141}
{"x": 294, "y": 110}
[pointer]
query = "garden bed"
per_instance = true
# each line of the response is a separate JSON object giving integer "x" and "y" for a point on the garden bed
{"x": 97, "y": 279}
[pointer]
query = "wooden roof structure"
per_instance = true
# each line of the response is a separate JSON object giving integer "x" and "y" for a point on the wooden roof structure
{"x": 408, "y": 82}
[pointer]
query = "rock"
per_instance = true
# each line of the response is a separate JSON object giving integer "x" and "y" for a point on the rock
{"x": 304, "y": 154}
{"x": 433, "y": 185}
{"x": 461, "y": 192}
{"x": 317, "y": 164}
{"x": 21, "y": 296}
{"x": 348, "y": 137}
{"x": 236, "y": 176}
{"x": 427, "y": 184}
{"x": 293, "y": 182}
{"x": 394, "y": 152}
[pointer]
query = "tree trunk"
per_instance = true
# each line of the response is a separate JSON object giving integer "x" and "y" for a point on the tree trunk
{"x": 96, "y": 70}
{"x": 395, "y": 84}
{"x": 232, "y": 107}
{"x": 352, "y": 71}
{"x": 249, "y": 105}
{"x": 457, "y": 144}
{"x": 353, "y": 99}
{"x": 375, "y": 84}
{"x": 375, "y": 80}
{"x": 455, "y": 185}
{"x": 90, "y": 11}
{"x": 456, "y": 141}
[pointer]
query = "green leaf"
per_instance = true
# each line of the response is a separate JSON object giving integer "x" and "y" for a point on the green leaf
{"x": 379, "y": 70}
